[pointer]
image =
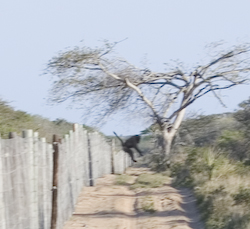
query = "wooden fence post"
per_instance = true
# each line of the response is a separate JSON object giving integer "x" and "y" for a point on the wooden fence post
{"x": 55, "y": 181}
{"x": 112, "y": 156}
{"x": 2, "y": 208}
{"x": 12, "y": 135}
{"x": 36, "y": 175}
{"x": 44, "y": 197}
{"x": 91, "y": 183}
{"x": 28, "y": 135}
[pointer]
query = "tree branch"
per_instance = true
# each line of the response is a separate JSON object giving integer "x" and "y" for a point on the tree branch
{"x": 139, "y": 92}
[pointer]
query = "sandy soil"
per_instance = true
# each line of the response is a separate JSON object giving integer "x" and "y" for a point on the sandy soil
{"x": 109, "y": 206}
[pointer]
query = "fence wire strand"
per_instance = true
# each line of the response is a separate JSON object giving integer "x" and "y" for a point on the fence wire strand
{"x": 26, "y": 172}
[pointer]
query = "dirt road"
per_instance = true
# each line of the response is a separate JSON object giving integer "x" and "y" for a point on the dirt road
{"x": 109, "y": 206}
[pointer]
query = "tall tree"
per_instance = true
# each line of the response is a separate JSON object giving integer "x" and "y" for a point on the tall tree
{"x": 104, "y": 84}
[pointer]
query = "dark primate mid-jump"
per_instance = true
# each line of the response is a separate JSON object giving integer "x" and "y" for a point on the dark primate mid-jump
{"x": 130, "y": 143}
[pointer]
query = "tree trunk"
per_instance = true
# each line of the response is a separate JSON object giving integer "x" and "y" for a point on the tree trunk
{"x": 169, "y": 133}
{"x": 167, "y": 140}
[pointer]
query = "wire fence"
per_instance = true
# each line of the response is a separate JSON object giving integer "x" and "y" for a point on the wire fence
{"x": 29, "y": 198}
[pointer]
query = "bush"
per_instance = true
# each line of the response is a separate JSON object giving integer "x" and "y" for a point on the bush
{"x": 235, "y": 143}
{"x": 157, "y": 162}
{"x": 221, "y": 185}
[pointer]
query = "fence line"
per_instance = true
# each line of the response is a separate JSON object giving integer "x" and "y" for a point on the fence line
{"x": 26, "y": 172}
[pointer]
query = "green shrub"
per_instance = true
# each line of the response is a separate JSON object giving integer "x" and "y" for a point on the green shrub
{"x": 181, "y": 175}
{"x": 234, "y": 142}
{"x": 221, "y": 185}
{"x": 158, "y": 163}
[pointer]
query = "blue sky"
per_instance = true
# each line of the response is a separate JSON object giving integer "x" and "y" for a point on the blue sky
{"x": 161, "y": 30}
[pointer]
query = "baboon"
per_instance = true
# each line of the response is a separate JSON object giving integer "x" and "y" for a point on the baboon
{"x": 130, "y": 143}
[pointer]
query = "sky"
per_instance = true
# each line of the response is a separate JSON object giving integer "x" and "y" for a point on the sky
{"x": 32, "y": 32}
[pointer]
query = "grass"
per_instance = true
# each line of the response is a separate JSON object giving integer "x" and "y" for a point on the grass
{"x": 221, "y": 185}
{"x": 147, "y": 204}
{"x": 123, "y": 179}
{"x": 143, "y": 180}
{"x": 150, "y": 181}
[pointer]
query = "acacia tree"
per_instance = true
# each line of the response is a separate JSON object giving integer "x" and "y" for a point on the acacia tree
{"x": 103, "y": 84}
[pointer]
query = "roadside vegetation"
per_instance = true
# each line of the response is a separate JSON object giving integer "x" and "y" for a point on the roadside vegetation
{"x": 212, "y": 157}
{"x": 12, "y": 120}
{"x": 220, "y": 183}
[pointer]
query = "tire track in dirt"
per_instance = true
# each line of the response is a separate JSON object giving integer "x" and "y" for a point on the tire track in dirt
{"x": 109, "y": 206}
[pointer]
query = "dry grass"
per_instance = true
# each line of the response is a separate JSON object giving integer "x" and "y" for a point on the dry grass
{"x": 123, "y": 179}
{"x": 222, "y": 187}
{"x": 150, "y": 181}
{"x": 147, "y": 204}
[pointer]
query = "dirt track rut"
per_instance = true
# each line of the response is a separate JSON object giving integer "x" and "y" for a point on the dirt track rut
{"x": 109, "y": 206}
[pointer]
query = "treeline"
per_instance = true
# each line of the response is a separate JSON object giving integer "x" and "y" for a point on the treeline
{"x": 228, "y": 131}
{"x": 12, "y": 120}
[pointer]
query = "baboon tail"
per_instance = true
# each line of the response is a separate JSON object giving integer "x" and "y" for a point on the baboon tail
{"x": 118, "y": 138}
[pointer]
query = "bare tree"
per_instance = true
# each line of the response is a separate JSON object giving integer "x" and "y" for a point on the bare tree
{"x": 104, "y": 84}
